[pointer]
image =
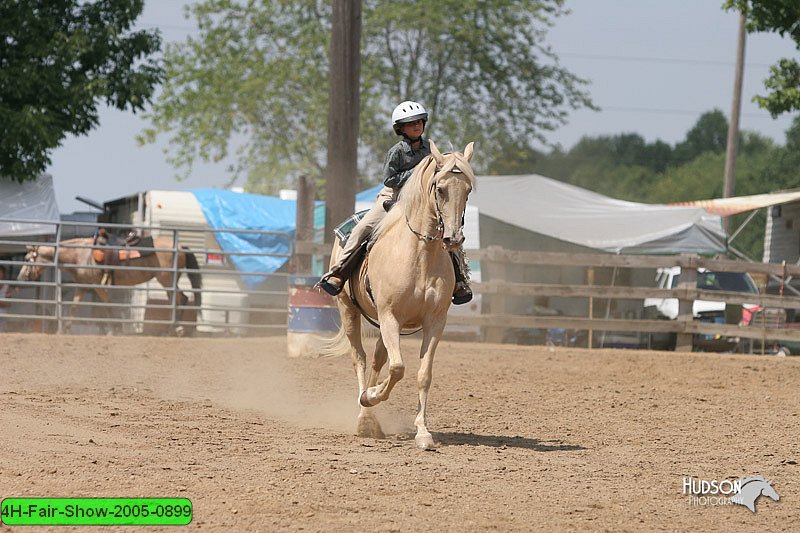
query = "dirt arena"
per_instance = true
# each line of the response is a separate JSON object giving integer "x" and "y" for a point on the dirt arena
{"x": 529, "y": 438}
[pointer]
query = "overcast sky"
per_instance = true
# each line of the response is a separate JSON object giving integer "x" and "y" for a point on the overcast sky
{"x": 654, "y": 68}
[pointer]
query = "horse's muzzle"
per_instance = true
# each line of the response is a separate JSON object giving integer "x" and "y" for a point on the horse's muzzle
{"x": 453, "y": 242}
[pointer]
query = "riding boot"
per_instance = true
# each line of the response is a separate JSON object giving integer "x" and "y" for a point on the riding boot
{"x": 333, "y": 281}
{"x": 462, "y": 292}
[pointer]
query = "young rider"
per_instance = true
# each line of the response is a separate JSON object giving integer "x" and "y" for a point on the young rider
{"x": 408, "y": 119}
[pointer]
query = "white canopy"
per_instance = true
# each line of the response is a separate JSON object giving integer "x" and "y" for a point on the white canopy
{"x": 33, "y": 200}
{"x": 579, "y": 216}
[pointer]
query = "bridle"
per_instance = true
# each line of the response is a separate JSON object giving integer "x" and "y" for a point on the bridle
{"x": 440, "y": 218}
{"x": 30, "y": 260}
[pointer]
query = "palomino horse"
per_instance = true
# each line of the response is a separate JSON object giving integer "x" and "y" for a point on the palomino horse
{"x": 79, "y": 263}
{"x": 406, "y": 282}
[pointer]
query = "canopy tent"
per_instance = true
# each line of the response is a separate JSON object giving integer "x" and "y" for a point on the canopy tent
{"x": 31, "y": 200}
{"x": 572, "y": 214}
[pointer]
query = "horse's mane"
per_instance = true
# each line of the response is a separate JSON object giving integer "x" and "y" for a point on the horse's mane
{"x": 414, "y": 194}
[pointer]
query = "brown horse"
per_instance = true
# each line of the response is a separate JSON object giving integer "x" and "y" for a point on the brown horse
{"x": 406, "y": 282}
{"x": 80, "y": 263}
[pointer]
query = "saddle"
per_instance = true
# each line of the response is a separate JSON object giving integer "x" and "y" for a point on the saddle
{"x": 343, "y": 230}
{"x": 132, "y": 243}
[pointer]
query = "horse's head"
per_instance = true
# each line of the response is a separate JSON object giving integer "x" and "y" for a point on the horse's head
{"x": 32, "y": 269}
{"x": 450, "y": 186}
{"x": 769, "y": 491}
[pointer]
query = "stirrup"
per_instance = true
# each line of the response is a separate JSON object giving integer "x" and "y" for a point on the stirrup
{"x": 463, "y": 296}
{"x": 329, "y": 287}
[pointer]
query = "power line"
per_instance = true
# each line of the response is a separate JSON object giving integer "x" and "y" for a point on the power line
{"x": 153, "y": 26}
{"x": 670, "y": 60}
{"x": 664, "y": 111}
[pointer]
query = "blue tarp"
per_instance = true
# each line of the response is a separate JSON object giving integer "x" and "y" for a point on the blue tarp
{"x": 370, "y": 194}
{"x": 226, "y": 209}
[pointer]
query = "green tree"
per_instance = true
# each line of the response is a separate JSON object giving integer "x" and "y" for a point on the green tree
{"x": 254, "y": 85}
{"x": 58, "y": 60}
{"x": 780, "y": 16}
{"x": 709, "y": 134}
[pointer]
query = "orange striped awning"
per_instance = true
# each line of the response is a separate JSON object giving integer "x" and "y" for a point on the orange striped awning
{"x": 739, "y": 204}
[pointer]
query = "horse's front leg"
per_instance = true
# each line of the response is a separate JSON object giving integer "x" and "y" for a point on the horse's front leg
{"x": 431, "y": 336}
{"x": 390, "y": 333}
{"x": 108, "y": 312}
{"x": 368, "y": 425}
{"x": 73, "y": 308}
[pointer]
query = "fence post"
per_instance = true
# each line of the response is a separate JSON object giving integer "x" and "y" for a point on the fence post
{"x": 304, "y": 219}
{"x": 174, "y": 277}
{"x": 497, "y": 271}
{"x": 686, "y": 286}
{"x": 57, "y": 277}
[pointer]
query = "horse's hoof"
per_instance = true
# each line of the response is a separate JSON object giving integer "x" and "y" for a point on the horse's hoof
{"x": 369, "y": 427}
{"x": 180, "y": 331}
{"x": 425, "y": 442}
{"x": 363, "y": 401}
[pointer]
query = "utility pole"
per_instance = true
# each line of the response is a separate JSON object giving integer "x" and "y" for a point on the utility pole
{"x": 343, "y": 109}
{"x": 733, "y": 127}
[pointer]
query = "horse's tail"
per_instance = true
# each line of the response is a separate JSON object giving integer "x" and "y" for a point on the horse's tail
{"x": 333, "y": 346}
{"x": 193, "y": 271}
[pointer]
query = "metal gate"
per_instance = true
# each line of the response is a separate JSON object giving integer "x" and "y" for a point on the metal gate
{"x": 237, "y": 297}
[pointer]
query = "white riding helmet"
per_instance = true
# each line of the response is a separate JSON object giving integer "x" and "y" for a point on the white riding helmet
{"x": 406, "y": 112}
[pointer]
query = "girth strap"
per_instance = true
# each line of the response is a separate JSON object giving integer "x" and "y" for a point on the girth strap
{"x": 368, "y": 287}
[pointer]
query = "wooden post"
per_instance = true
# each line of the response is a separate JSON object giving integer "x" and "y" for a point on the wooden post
{"x": 688, "y": 282}
{"x": 343, "y": 108}
{"x": 729, "y": 184}
{"x": 304, "y": 219}
{"x": 590, "y": 282}
{"x": 496, "y": 271}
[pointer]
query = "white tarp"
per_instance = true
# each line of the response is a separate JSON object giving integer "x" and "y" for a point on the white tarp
{"x": 32, "y": 200}
{"x": 579, "y": 216}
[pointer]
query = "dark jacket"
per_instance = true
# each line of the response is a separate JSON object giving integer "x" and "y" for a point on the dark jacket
{"x": 400, "y": 162}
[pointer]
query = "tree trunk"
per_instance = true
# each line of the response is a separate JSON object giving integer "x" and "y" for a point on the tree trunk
{"x": 345, "y": 61}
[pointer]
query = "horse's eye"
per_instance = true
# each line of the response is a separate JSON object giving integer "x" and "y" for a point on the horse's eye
{"x": 439, "y": 190}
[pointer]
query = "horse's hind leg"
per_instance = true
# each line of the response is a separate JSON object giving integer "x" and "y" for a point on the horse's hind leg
{"x": 430, "y": 340}
{"x": 165, "y": 279}
{"x": 368, "y": 425}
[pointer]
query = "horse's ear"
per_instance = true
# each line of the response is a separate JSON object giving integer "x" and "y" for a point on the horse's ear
{"x": 468, "y": 151}
{"x": 437, "y": 155}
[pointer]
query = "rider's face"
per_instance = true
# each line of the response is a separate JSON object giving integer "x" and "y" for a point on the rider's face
{"x": 413, "y": 130}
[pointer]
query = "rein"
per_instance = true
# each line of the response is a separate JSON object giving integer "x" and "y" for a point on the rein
{"x": 440, "y": 225}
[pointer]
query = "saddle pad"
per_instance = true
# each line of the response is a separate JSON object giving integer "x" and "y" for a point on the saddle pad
{"x": 343, "y": 230}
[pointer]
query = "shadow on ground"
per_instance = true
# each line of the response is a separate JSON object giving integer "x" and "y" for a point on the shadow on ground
{"x": 498, "y": 441}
